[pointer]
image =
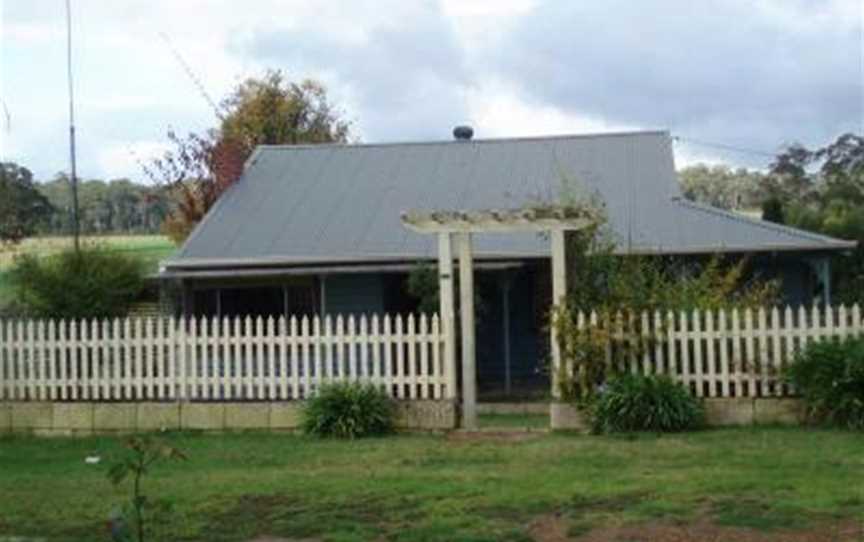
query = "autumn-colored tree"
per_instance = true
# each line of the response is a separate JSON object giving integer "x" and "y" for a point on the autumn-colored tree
{"x": 269, "y": 110}
{"x": 197, "y": 171}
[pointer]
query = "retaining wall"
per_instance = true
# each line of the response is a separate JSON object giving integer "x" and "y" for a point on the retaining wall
{"x": 718, "y": 413}
{"x": 80, "y": 418}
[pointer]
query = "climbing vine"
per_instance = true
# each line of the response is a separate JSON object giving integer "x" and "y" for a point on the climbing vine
{"x": 608, "y": 316}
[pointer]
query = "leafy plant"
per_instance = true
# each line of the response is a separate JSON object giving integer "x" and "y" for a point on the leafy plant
{"x": 422, "y": 285}
{"x": 92, "y": 283}
{"x": 615, "y": 291}
{"x": 645, "y": 403}
{"x": 348, "y": 410}
{"x": 129, "y": 523}
{"x": 829, "y": 375}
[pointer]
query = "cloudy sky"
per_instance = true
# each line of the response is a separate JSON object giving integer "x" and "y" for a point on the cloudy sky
{"x": 750, "y": 74}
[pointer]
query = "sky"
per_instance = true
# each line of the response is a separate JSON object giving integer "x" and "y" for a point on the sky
{"x": 749, "y": 74}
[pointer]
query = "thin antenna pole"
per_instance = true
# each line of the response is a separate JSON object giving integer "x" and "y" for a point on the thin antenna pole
{"x": 76, "y": 230}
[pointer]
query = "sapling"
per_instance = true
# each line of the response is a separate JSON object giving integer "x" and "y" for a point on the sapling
{"x": 128, "y": 522}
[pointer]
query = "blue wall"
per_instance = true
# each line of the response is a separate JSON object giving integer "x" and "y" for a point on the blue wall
{"x": 525, "y": 335}
{"x": 354, "y": 294}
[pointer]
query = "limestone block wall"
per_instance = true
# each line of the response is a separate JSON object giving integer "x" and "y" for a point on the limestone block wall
{"x": 718, "y": 413}
{"x": 84, "y": 418}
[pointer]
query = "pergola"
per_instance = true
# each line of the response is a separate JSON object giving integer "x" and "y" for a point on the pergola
{"x": 459, "y": 226}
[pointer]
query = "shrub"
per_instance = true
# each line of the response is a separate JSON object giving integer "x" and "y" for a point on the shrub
{"x": 92, "y": 283}
{"x": 645, "y": 403}
{"x": 829, "y": 376}
{"x": 348, "y": 410}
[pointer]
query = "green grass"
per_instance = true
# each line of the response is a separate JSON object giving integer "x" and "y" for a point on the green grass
{"x": 425, "y": 488}
{"x": 150, "y": 248}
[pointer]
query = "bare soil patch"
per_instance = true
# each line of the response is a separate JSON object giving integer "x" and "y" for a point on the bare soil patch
{"x": 493, "y": 436}
{"x": 557, "y": 528}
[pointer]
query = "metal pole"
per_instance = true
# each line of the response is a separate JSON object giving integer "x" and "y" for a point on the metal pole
{"x": 76, "y": 230}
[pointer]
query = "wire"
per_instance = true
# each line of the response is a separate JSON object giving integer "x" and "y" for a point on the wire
{"x": 195, "y": 80}
{"x": 723, "y": 146}
{"x": 6, "y": 116}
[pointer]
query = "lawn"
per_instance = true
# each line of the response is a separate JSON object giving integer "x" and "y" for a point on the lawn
{"x": 746, "y": 484}
{"x": 150, "y": 248}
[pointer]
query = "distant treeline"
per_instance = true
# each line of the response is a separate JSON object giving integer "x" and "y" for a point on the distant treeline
{"x": 115, "y": 206}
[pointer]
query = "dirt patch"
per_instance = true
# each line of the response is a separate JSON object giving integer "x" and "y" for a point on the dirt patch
{"x": 493, "y": 436}
{"x": 707, "y": 531}
{"x": 274, "y": 539}
{"x": 609, "y": 503}
{"x": 550, "y": 528}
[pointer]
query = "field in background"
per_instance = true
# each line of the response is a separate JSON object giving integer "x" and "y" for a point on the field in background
{"x": 150, "y": 248}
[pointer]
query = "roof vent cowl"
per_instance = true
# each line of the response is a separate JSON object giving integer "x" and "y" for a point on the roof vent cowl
{"x": 463, "y": 133}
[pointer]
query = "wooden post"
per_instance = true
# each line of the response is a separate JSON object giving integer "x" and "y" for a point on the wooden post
{"x": 505, "y": 283}
{"x": 466, "y": 305}
{"x": 559, "y": 296}
{"x": 446, "y": 310}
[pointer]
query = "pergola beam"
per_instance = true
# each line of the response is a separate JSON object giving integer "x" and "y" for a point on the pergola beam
{"x": 496, "y": 221}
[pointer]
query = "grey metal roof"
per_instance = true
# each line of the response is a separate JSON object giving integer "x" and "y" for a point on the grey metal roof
{"x": 342, "y": 203}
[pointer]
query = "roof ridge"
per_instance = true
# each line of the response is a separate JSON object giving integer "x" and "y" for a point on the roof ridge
{"x": 772, "y": 226}
{"x": 593, "y": 135}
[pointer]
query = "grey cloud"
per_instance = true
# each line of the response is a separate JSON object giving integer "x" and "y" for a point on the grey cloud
{"x": 408, "y": 78}
{"x": 712, "y": 70}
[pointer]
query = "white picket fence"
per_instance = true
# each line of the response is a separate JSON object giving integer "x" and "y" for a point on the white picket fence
{"x": 158, "y": 359}
{"x": 722, "y": 353}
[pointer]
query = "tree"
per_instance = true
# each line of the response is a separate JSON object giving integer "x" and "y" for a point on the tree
{"x": 823, "y": 191}
{"x": 116, "y": 206}
{"x": 273, "y": 111}
{"x": 772, "y": 210}
{"x": 22, "y": 207}
{"x": 195, "y": 173}
{"x": 720, "y": 186}
{"x": 260, "y": 111}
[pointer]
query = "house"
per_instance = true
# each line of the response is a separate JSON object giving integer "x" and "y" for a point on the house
{"x": 316, "y": 229}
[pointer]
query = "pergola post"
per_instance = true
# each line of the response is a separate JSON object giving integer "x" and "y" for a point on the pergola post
{"x": 559, "y": 296}
{"x": 447, "y": 309}
{"x": 466, "y": 315}
{"x": 461, "y": 224}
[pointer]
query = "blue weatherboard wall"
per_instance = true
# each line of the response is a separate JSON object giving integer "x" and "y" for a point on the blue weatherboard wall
{"x": 364, "y": 294}
{"x": 354, "y": 294}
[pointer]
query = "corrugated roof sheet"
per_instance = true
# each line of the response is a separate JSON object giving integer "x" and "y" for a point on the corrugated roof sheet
{"x": 339, "y": 203}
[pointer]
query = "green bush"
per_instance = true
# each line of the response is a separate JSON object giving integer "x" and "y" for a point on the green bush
{"x": 348, "y": 410}
{"x": 829, "y": 376}
{"x": 92, "y": 283}
{"x": 645, "y": 403}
